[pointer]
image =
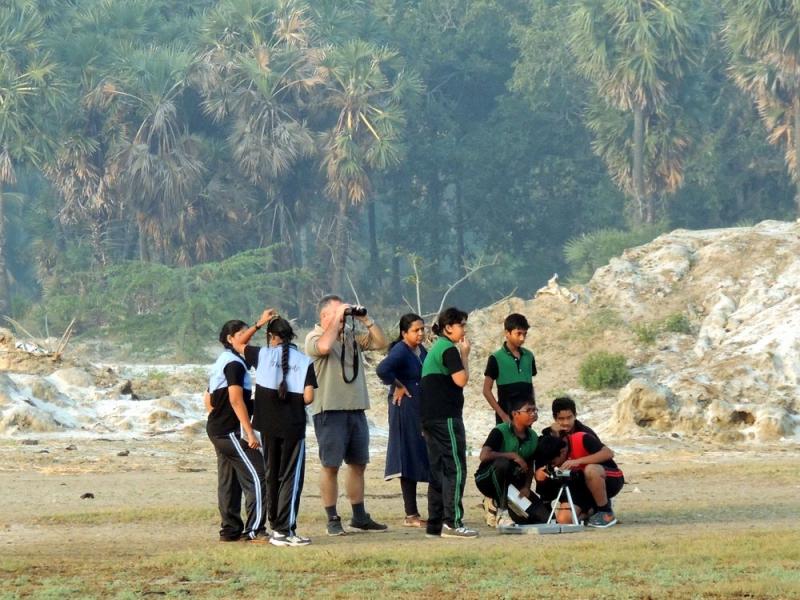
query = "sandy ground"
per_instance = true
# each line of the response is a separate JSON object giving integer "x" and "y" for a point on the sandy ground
{"x": 161, "y": 496}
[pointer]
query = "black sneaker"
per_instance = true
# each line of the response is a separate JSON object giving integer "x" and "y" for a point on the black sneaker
{"x": 602, "y": 520}
{"x": 230, "y": 538}
{"x": 368, "y": 525}
{"x": 335, "y": 526}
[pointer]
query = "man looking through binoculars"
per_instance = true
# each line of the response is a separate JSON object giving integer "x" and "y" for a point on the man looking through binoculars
{"x": 340, "y": 422}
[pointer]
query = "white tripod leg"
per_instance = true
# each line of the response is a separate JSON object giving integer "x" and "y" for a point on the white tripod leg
{"x": 571, "y": 507}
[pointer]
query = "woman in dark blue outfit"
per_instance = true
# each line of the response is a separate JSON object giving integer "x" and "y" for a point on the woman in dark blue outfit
{"x": 407, "y": 455}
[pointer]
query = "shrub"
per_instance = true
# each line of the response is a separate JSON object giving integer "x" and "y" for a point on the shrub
{"x": 602, "y": 370}
{"x": 646, "y": 332}
{"x": 677, "y": 323}
{"x": 589, "y": 251}
{"x": 156, "y": 306}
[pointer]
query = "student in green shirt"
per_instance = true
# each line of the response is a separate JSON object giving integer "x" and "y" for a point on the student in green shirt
{"x": 445, "y": 372}
{"x": 512, "y": 367}
{"x": 507, "y": 458}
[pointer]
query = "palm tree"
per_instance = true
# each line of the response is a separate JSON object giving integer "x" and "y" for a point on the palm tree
{"x": 635, "y": 52}
{"x": 28, "y": 90}
{"x": 764, "y": 41}
{"x": 366, "y": 86}
{"x": 155, "y": 166}
{"x": 255, "y": 77}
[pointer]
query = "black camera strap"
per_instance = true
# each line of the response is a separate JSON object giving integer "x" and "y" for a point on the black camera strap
{"x": 344, "y": 350}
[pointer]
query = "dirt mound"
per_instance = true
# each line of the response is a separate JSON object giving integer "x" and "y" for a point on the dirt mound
{"x": 708, "y": 321}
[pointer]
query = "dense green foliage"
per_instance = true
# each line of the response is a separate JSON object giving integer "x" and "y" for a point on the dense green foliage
{"x": 180, "y": 308}
{"x": 357, "y": 139}
{"x": 601, "y": 370}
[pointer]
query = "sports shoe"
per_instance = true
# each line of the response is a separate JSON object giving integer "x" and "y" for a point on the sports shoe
{"x": 414, "y": 521}
{"x": 230, "y": 538}
{"x": 368, "y": 525}
{"x": 335, "y": 526}
{"x": 279, "y": 539}
{"x": 504, "y": 519}
{"x": 458, "y": 532}
{"x": 489, "y": 511}
{"x": 602, "y": 520}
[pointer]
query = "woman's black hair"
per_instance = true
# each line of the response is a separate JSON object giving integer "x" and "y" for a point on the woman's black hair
{"x": 406, "y": 321}
{"x": 229, "y": 328}
{"x": 449, "y": 316}
{"x": 283, "y": 329}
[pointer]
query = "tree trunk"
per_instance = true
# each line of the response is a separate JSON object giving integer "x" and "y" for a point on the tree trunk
{"x": 397, "y": 289}
{"x": 639, "y": 195}
{"x": 144, "y": 255}
{"x": 375, "y": 267}
{"x": 459, "y": 224}
{"x": 339, "y": 249}
{"x": 5, "y": 299}
{"x": 797, "y": 151}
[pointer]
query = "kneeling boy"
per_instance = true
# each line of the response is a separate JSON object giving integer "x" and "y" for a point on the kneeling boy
{"x": 507, "y": 457}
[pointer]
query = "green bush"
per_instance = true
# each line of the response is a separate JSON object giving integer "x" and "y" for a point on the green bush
{"x": 589, "y": 251}
{"x": 677, "y": 323}
{"x": 602, "y": 370}
{"x": 158, "y": 307}
{"x": 646, "y": 332}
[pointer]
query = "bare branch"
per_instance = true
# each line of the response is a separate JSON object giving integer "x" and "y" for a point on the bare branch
{"x": 352, "y": 287}
{"x": 469, "y": 272}
{"x": 408, "y": 304}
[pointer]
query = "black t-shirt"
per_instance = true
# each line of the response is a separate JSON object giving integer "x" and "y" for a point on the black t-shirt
{"x": 579, "y": 426}
{"x": 222, "y": 420}
{"x": 273, "y": 416}
{"x": 442, "y": 398}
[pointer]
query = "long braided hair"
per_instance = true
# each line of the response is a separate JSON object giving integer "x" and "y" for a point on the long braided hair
{"x": 283, "y": 329}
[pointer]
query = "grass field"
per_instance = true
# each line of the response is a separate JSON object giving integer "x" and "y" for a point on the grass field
{"x": 702, "y": 525}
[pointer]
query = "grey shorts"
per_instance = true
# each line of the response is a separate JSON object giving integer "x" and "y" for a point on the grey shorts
{"x": 342, "y": 435}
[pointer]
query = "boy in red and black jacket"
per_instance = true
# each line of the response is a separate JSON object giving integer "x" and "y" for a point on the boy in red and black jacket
{"x": 596, "y": 477}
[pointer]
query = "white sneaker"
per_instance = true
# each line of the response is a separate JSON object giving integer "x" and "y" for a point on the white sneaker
{"x": 458, "y": 532}
{"x": 504, "y": 520}
{"x": 279, "y": 539}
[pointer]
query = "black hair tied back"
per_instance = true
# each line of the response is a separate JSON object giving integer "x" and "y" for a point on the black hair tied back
{"x": 230, "y": 328}
{"x": 283, "y": 329}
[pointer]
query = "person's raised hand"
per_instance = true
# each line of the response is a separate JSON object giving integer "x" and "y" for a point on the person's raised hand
{"x": 465, "y": 346}
{"x": 266, "y": 316}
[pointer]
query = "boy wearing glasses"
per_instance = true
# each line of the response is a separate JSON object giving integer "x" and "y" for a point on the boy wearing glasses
{"x": 507, "y": 458}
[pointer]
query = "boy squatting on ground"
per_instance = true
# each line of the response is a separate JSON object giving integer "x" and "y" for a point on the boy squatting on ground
{"x": 508, "y": 457}
{"x": 596, "y": 478}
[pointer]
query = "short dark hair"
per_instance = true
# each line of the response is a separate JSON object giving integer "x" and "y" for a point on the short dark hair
{"x": 516, "y": 321}
{"x": 327, "y": 299}
{"x": 449, "y": 316}
{"x": 520, "y": 402}
{"x": 564, "y": 403}
{"x": 548, "y": 448}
